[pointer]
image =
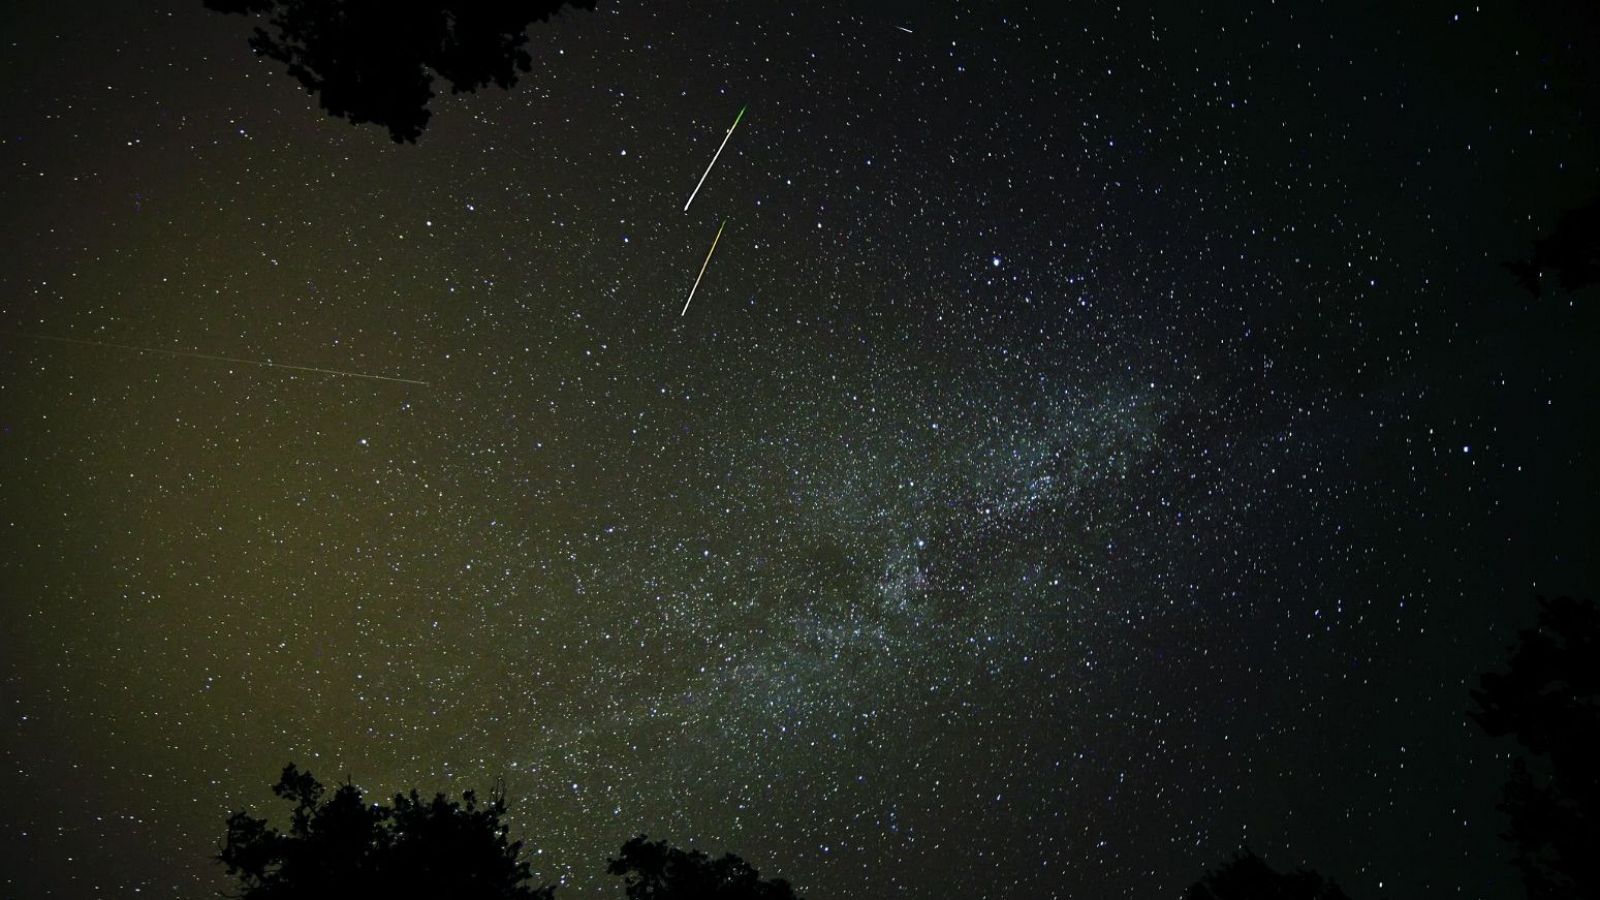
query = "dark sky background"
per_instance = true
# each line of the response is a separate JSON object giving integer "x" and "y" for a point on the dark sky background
{"x": 1104, "y": 438}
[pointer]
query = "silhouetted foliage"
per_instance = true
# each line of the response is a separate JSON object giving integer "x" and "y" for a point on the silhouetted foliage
{"x": 1550, "y": 702}
{"x": 654, "y": 871}
{"x": 1572, "y": 251}
{"x": 373, "y": 60}
{"x": 1248, "y": 877}
{"x": 342, "y": 847}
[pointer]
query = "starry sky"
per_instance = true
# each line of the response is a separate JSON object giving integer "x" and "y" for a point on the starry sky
{"x": 1104, "y": 438}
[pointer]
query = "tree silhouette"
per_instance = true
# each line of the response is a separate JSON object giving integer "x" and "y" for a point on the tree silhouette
{"x": 344, "y": 847}
{"x": 1248, "y": 877}
{"x": 373, "y": 60}
{"x": 1550, "y": 702}
{"x": 654, "y": 871}
{"x": 1572, "y": 251}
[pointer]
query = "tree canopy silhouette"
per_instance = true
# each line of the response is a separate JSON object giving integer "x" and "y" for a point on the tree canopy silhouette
{"x": 1549, "y": 701}
{"x": 374, "y": 60}
{"x": 342, "y": 847}
{"x": 1248, "y": 877}
{"x": 655, "y": 871}
{"x": 1571, "y": 250}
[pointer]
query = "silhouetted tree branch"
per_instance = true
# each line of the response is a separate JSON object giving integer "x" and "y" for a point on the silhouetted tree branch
{"x": 343, "y": 847}
{"x": 1572, "y": 251}
{"x": 374, "y": 60}
{"x": 654, "y": 871}
{"x": 1549, "y": 701}
{"x": 1248, "y": 877}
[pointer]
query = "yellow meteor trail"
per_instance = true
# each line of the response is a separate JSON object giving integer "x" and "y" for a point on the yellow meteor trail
{"x": 704, "y": 264}
{"x": 715, "y": 155}
{"x": 212, "y": 357}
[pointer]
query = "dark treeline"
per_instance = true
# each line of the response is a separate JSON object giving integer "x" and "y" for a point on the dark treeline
{"x": 339, "y": 845}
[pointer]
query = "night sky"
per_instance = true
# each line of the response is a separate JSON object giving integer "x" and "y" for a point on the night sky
{"x": 1104, "y": 438}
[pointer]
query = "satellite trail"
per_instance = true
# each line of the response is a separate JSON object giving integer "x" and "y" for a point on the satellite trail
{"x": 212, "y": 357}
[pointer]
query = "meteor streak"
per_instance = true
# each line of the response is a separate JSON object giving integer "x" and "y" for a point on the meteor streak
{"x": 706, "y": 263}
{"x": 212, "y": 357}
{"x": 715, "y": 155}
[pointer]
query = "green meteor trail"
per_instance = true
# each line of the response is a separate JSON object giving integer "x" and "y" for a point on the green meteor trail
{"x": 715, "y": 155}
{"x": 704, "y": 264}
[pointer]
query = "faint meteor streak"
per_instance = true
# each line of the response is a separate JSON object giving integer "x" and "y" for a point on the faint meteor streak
{"x": 704, "y": 264}
{"x": 715, "y": 155}
{"x": 212, "y": 357}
